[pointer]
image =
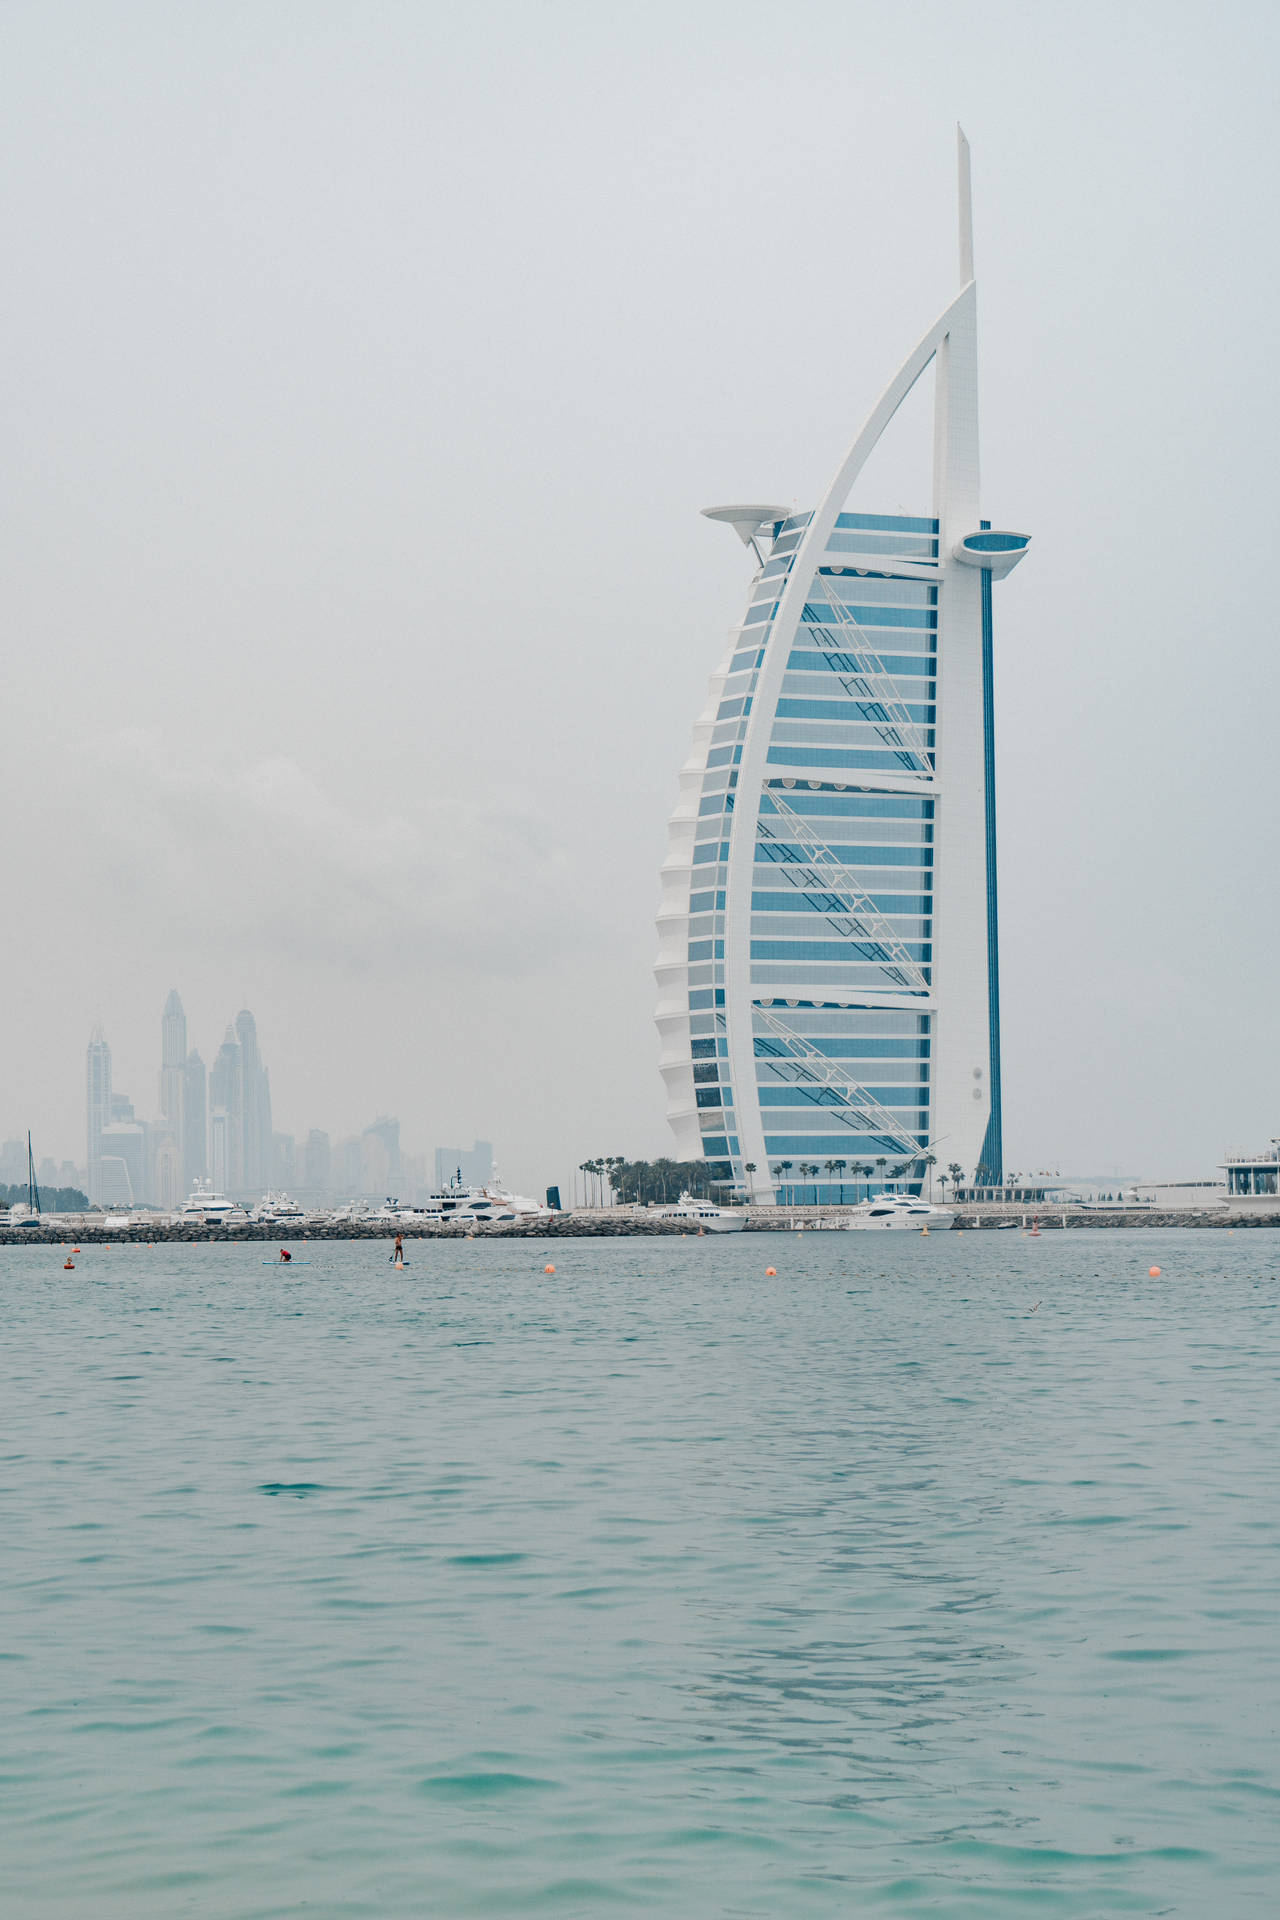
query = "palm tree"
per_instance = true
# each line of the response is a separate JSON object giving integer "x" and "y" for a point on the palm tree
{"x": 749, "y": 1168}
{"x": 942, "y": 1182}
{"x": 784, "y": 1166}
{"x": 813, "y": 1171}
{"x": 957, "y": 1173}
{"x": 882, "y": 1163}
{"x": 840, "y": 1166}
{"x": 831, "y": 1166}
{"x": 930, "y": 1161}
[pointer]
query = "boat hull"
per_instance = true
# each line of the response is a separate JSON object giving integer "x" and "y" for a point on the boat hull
{"x": 937, "y": 1221}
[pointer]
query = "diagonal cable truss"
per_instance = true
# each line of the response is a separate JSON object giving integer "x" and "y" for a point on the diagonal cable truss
{"x": 838, "y": 896}
{"x": 815, "y": 1074}
{"x": 851, "y": 656}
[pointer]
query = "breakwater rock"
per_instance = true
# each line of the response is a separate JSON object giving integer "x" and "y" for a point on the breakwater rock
{"x": 145, "y": 1234}
{"x": 614, "y": 1224}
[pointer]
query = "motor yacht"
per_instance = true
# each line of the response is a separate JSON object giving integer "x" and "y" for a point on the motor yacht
{"x": 278, "y": 1207}
{"x": 897, "y": 1211}
{"x": 704, "y": 1216}
{"x": 207, "y": 1207}
{"x": 456, "y": 1205}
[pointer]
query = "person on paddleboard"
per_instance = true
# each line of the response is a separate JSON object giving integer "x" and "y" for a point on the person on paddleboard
{"x": 398, "y": 1255}
{"x": 285, "y": 1256}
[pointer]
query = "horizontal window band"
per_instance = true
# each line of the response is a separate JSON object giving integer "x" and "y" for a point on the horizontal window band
{"x": 908, "y": 665}
{"x": 822, "y": 614}
{"x": 849, "y": 1141}
{"x": 890, "y": 761}
{"x": 885, "y": 523}
{"x": 849, "y": 856}
{"x": 861, "y": 1047}
{"x": 905, "y": 1097}
{"x": 851, "y": 712}
{"x": 831, "y": 953}
{"x": 856, "y": 806}
{"x": 906, "y": 906}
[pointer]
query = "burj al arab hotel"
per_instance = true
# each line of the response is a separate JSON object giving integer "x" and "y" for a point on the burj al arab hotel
{"x": 828, "y": 971}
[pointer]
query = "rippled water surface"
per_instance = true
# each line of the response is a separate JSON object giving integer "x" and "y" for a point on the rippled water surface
{"x": 936, "y": 1576}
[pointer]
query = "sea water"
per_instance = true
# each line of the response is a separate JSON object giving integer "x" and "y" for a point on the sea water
{"x": 935, "y": 1576}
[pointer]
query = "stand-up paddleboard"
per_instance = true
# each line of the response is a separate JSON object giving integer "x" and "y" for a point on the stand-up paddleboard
{"x": 286, "y": 1263}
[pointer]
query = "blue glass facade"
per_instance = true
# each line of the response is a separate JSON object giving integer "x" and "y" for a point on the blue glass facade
{"x": 857, "y": 694}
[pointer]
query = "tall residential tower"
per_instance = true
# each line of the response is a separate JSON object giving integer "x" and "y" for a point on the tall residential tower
{"x": 828, "y": 971}
{"x": 97, "y": 1106}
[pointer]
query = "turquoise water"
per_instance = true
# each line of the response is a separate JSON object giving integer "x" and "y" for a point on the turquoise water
{"x": 651, "y": 1587}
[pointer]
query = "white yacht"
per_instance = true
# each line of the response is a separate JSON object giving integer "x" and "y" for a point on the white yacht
{"x": 465, "y": 1206}
{"x": 704, "y": 1216}
{"x": 897, "y": 1211}
{"x": 280, "y": 1208}
{"x": 207, "y": 1207}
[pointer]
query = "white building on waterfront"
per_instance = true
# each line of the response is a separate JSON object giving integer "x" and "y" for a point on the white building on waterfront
{"x": 828, "y": 970}
{"x": 1253, "y": 1175}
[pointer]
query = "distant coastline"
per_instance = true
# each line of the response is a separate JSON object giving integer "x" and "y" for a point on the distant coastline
{"x": 613, "y": 1223}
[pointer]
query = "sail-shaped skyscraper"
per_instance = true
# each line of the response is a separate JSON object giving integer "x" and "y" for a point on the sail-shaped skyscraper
{"x": 828, "y": 972}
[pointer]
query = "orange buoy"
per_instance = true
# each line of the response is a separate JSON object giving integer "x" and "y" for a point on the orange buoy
{"x": 771, "y": 1273}
{"x": 1154, "y": 1272}
{"x": 548, "y": 1269}
{"x": 68, "y": 1266}
{"x": 75, "y": 1249}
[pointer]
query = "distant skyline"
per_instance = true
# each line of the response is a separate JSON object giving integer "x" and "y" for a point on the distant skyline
{"x": 365, "y": 372}
{"x": 217, "y": 1127}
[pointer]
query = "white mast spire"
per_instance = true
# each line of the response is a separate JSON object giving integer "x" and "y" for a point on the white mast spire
{"x": 966, "y": 207}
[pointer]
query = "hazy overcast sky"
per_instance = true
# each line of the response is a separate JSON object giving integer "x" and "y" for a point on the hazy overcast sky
{"x": 365, "y": 367}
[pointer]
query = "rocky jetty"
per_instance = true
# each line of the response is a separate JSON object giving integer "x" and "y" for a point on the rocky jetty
{"x": 610, "y": 1224}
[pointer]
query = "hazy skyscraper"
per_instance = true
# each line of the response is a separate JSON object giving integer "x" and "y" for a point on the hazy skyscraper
{"x": 255, "y": 1108}
{"x": 220, "y": 1169}
{"x": 167, "y": 1189}
{"x": 316, "y": 1172}
{"x": 173, "y": 1062}
{"x": 97, "y": 1105}
{"x": 168, "y": 1152}
{"x": 472, "y": 1165}
{"x": 387, "y": 1131}
{"x": 195, "y": 1120}
{"x": 284, "y": 1159}
{"x": 226, "y": 1108}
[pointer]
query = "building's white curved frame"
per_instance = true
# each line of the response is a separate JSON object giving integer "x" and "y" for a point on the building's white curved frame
{"x": 962, "y": 1050}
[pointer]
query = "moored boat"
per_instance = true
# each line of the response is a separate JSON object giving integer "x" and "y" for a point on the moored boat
{"x": 896, "y": 1211}
{"x": 456, "y": 1205}
{"x": 278, "y": 1207}
{"x": 209, "y": 1208}
{"x": 704, "y": 1216}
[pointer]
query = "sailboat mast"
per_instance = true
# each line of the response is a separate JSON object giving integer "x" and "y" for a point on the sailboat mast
{"x": 33, "y": 1191}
